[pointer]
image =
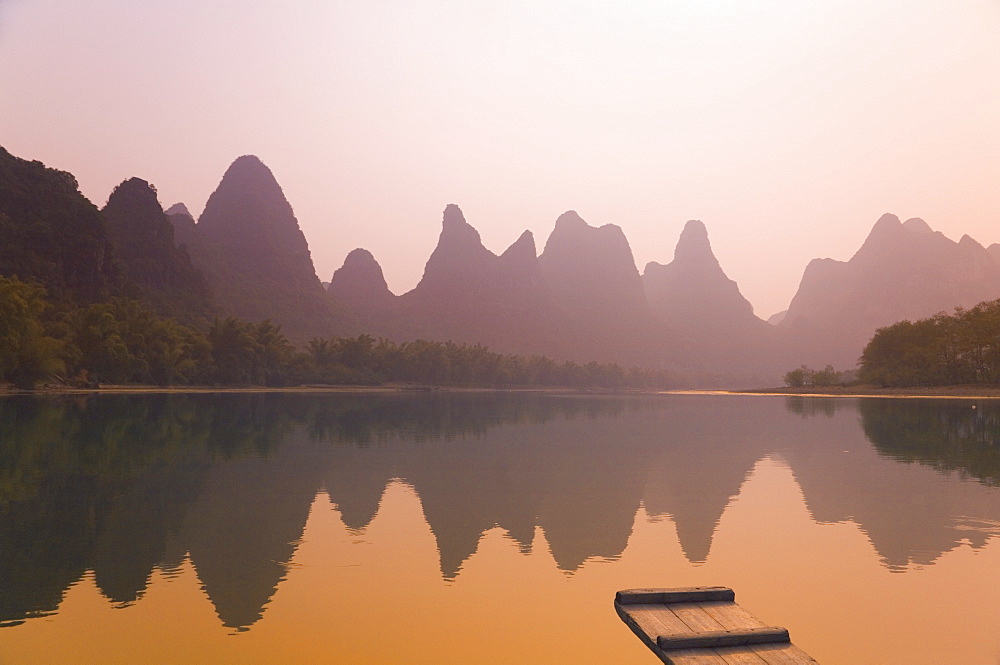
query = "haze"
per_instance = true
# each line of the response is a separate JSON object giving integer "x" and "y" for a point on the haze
{"x": 787, "y": 127}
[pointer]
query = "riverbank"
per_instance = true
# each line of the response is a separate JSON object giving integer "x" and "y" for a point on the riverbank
{"x": 944, "y": 392}
{"x": 319, "y": 388}
{"x": 954, "y": 392}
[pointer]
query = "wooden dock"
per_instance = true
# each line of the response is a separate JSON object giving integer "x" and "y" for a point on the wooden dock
{"x": 704, "y": 626}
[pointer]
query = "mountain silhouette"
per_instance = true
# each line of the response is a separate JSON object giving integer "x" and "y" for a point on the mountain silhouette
{"x": 360, "y": 285}
{"x": 53, "y": 234}
{"x": 469, "y": 294}
{"x": 693, "y": 291}
{"x": 143, "y": 239}
{"x": 249, "y": 245}
{"x": 591, "y": 273}
{"x": 702, "y": 307}
{"x": 904, "y": 270}
{"x": 185, "y": 231}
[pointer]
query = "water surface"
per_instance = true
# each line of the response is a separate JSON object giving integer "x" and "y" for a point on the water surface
{"x": 489, "y": 528}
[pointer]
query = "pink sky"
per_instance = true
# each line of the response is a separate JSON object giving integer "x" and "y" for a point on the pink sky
{"x": 788, "y": 127}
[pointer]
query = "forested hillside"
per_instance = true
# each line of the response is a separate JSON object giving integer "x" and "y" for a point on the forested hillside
{"x": 52, "y": 234}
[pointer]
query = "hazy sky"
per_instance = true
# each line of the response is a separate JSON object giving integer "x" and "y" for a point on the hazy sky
{"x": 787, "y": 126}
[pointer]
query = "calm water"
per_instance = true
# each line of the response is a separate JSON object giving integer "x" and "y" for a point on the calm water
{"x": 437, "y": 528}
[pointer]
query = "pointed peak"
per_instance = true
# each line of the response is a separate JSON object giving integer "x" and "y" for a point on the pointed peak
{"x": 134, "y": 190}
{"x": 135, "y": 183}
{"x": 570, "y": 219}
{"x": 249, "y": 214}
{"x": 455, "y": 230}
{"x": 887, "y": 222}
{"x": 917, "y": 225}
{"x": 359, "y": 280}
{"x": 359, "y": 256}
{"x": 611, "y": 230}
{"x": 249, "y": 169}
{"x": 247, "y": 162}
{"x": 453, "y": 216}
{"x": 179, "y": 209}
{"x": 695, "y": 227}
{"x": 693, "y": 245}
{"x": 525, "y": 240}
{"x": 969, "y": 241}
{"x": 523, "y": 247}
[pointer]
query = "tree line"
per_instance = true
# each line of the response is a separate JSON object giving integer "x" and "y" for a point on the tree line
{"x": 806, "y": 377}
{"x": 946, "y": 349}
{"x": 123, "y": 341}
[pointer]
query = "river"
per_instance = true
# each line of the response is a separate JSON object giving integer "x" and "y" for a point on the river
{"x": 489, "y": 527}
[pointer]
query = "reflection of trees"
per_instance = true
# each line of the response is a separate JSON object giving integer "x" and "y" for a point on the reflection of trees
{"x": 122, "y": 484}
{"x": 75, "y": 488}
{"x": 953, "y": 435}
{"x": 104, "y": 482}
{"x": 912, "y": 513}
{"x": 805, "y": 405}
{"x": 362, "y": 419}
{"x": 126, "y": 484}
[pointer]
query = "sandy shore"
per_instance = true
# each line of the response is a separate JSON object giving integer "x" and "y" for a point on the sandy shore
{"x": 944, "y": 392}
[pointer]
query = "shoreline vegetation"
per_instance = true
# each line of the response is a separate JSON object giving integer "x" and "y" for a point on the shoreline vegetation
{"x": 962, "y": 391}
{"x": 316, "y": 388}
{"x": 935, "y": 392}
{"x": 113, "y": 297}
{"x": 123, "y": 342}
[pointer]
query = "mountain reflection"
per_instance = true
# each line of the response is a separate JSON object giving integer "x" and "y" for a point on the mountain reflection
{"x": 124, "y": 484}
{"x": 912, "y": 512}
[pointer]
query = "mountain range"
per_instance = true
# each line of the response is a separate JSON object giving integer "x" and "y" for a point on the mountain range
{"x": 581, "y": 298}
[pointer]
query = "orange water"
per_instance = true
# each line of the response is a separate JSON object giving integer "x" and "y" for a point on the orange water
{"x": 377, "y": 594}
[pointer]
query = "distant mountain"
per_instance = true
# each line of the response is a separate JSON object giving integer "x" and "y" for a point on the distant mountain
{"x": 51, "y": 233}
{"x": 904, "y": 270}
{"x": 159, "y": 272}
{"x": 359, "y": 289}
{"x": 254, "y": 255}
{"x": 591, "y": 273}
{"x": 692, "y": 291}
{"x": 469, "y": 294}
{"x": 360, "y": 284}
{"x": 183, "y": 223}
{"x": 582, "y": 299}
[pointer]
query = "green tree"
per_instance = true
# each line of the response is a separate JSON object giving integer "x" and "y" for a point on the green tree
{"x": 232, "y": 350}
{"x": 797, "y": 377}
{"x": 827, "y": 376}
{"x": 123, "y": 341}
{"x": 27, "y": 354}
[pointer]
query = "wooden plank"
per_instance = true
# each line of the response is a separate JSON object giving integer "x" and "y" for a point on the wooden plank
{"x": 649, "y": 622}
{"x": 731, "y": 616}
{"x": 657, "y": 620}
{"x": 739, "y": 656}
{"x": 678, "y": 595}
{"x": 712, "y": 630}
{"x": 711, "y": 639}
{"x": 788, "y": 654}
{"x": 695, "y": 617}
{"x": 692, "y": 657}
